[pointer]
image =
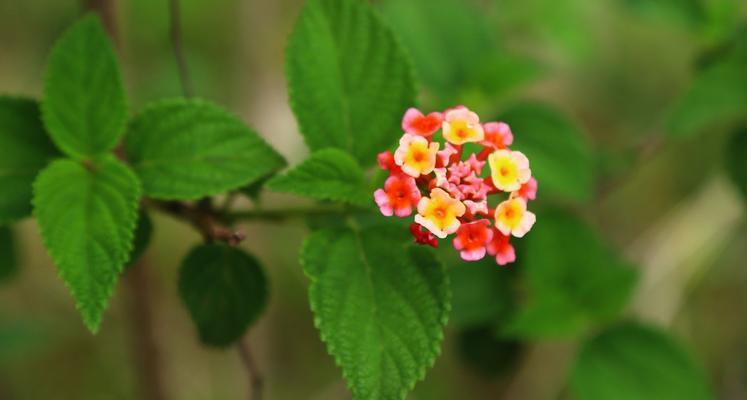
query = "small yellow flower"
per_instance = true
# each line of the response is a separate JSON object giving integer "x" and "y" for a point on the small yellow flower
{"x": 462, "y": 126}
{"x": 512, "y": 217}
{"x": 509, "y": 169}
{"x": 415, "y": 155}
{"x": 440, "y": 213}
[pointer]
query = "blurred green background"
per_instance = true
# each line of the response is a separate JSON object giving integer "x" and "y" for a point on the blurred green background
{"x": 627, "y": 107}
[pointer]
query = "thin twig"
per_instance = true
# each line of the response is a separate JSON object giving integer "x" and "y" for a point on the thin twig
{"x": 145, "y": 346}
{"x": 283, "y": 214}
{"x": 255, "y": 377}
{"x": 203, "y": 219}
{"x": 176, "y": 43}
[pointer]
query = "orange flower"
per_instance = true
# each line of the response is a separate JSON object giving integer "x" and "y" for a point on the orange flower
{"x": 440, "y": 213}
{"x": 512, "y": 217}
{"x": 415, "y": 155}
{"x": 472, "y": 238}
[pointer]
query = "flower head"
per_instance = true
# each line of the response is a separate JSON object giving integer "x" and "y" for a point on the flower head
{"x": 497, "y": 135}
{"x": 462, "y": 126}
{"x": 472, "y": 238}
{"x": 512, "y": 217}
{"x": 451, "y": 190}
{"x": 501, "y": 248}
{"x": 399, "y": 196}
{"x": 509, "y": 169}
{"x": 440, "y": 213}
{"x": 415, "y": 155}
{"x": 415, "y": 123}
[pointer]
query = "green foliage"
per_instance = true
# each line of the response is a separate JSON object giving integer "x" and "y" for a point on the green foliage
{"x": 84, "y": 106}
{"x": 560, "y": 154}
{"x": 224, "y": 289}
{"x": 573, "y": 279}
{"x": 187, "y": 149}
{"x": 487, "y": 354}
{"x": 87, "y": 215}
{"x": 143, "y": 232}
{"x": 736, "y": 160}
{"x": 631, "y": 362}
{"x": 8, "y": 258}
{"x": 379, "y": 304}
{"x": 24, "y": 150}
{"x": 717, "y": 94}
{"x": 688, "y": 12}
{"x": 349, "y": 80}
{"x": 483, "y": 292}
{"x": 328, "y": 174}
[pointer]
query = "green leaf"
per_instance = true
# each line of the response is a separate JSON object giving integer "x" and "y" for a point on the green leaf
{"x": 736, "y": 160}
{"x": 559, "y": 153}
{"x": 87, "y": 215}
{"x": 448, "y": 39}
{"x": 379, "y": 304}
{"x": 687, "y": 12}
{"x": 84, "y": 106}
{"x": 483, "y": 294}
{"x": 349, "y": 80}
{"x": 143, "y": 233}
{"x": 224, "y": 289}
{"x": 718, "y": 94}
{"x": 631, "y": 362}
{"x": 8, "y": 260}
{"x": 572, "y": 277}
{"x": 188, "y": 149}
{"x": 328, "y": 174}
{"x": 24, "y": 150}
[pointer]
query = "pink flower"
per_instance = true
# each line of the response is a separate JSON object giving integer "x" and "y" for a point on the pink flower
{"x": 501, "y": 248}
{"x": 476, "y": 207}
{"x": 528, "y": 191}
{"x": 497, "y": 135}
{"x": 474, "y": 164}
{"x": 462, "y": 126}
{"x": 415, "y": 123}
{"x": 399, "y": 196}
{"x": 446, "y": 154}
{"x": 472, "y": 238}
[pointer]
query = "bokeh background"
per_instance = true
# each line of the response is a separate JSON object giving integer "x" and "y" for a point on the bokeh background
{"x": 652, "y": 92}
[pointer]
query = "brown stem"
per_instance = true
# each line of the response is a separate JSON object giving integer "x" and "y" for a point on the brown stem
{"x": 255, "y": 377}
{"x": 176, "y": 43}
{"x": 204, "y": 219}
{"x": 107, "y": 11}
{"x": 145, "y": 346}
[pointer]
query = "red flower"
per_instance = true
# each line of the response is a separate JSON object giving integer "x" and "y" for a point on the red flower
{"x": 471, "y": 239}
{"x": 399, "y": 196}
{"x": 501, "y": 248}
{"x": 415, "y": 123}
{"x": 423, "y": 236}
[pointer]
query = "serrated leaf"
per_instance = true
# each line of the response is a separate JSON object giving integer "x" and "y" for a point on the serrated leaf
{"x": 736, "y": 160}
{"x": 87, "y": 216}
{"x": 572, "y": 277}
{"x": 224, "y": 289}
{"x": 8, "y": 256}
{"x": 85, "y": 106}
{"x": 328, "y": 174}
{"x": 379, "y": 304}
{"x": 24, "y": 150}
{"x": 716, "y": 95}
{"x": 143, "y": 233}
{"x": 631, "y": 362}
{"x": 559, "y": 154}
{"x": 188, "y": 149}
{"x": 349, "y": 80}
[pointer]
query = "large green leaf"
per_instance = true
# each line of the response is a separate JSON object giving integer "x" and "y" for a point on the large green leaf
{"x": 8, "y": 257}
{"x": 559, "y": 153}
{"x": 329, "y": 174}
{"x": 736, "y": 160}
{"x": 24, "y": 150}
{"x": 573, "y": 279}
{"x": 224, "y": 289}
{"x": 632, "y": 362}
{"x": 349, "y": 80}
{"x": 87, "y": 215}
{"x": 187, "y": 149}
{"x": 84, "y": 106}
{"x": 379, "y": 304}
{"x": 718, "y": 94}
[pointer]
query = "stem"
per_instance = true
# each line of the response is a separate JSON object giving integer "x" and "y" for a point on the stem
{"x": 255, "y": 377}
{"x": 145, "y": 347}
{"x": 284, "y": 214}
{"x": 176, "y": 43}
{"x": 107, "y": 10}
{"x": 203, "y": 219}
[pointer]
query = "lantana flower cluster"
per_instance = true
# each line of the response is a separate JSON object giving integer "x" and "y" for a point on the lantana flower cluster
{"x": 451, "y": 191}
